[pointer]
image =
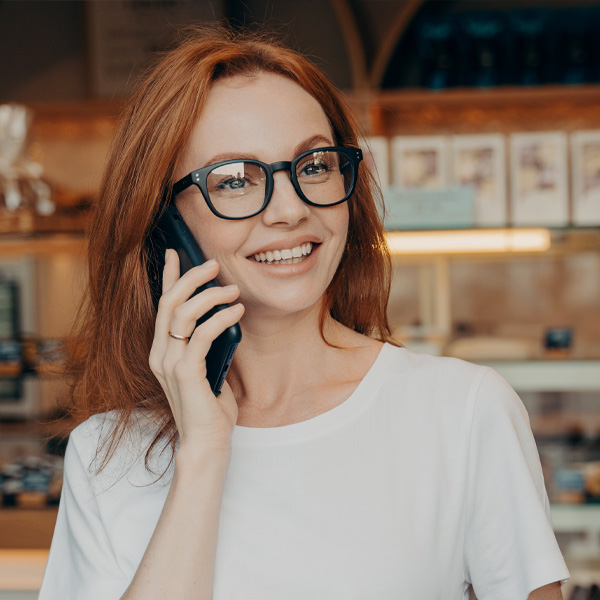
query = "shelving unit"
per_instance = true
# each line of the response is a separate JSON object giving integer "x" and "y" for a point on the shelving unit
{"x": 551, "y": 375}
{"x": 49, "y": 269}
{"x": 502, "y": 110}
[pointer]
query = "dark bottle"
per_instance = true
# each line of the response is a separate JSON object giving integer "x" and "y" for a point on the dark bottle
{"x": 483, "y": 49}
{"x": 529, "y": 54}
{"x": 573, "y": 46}
{"x": 438, "y": 52}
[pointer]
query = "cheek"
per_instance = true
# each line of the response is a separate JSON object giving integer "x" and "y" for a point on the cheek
{"x": 338, "y": 225}
{"x": 207, "y": 229}
{"x": 341, "y": 226}
{"x": 217, "y": 238}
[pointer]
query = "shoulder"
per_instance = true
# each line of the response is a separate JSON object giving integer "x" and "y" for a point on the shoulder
{"x": 407, "y": 368}
{"x": 440, "y": 385}
{"x": 100, "y": 429}
{"x": 107, "y": 449}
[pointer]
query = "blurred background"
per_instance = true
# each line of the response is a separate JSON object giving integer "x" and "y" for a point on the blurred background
{"x": 481, "y": 121}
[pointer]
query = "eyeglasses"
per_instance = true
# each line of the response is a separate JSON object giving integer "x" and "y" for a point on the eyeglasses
{"x": 242, "y": 188}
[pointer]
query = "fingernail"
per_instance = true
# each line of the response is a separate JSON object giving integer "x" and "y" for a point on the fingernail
{"x": 230, "y": 288}
{"x": 210, "y": 263}
{"x": 166, "y": 255}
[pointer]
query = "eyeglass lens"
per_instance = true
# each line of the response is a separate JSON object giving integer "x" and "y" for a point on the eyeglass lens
{"x": 238, "y": 189}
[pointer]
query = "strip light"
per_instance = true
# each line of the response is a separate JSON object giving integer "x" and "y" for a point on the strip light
{"x": 468, "y": 241}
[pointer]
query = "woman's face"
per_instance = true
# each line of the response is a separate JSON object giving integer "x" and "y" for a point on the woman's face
{"x": 269, "y": 118}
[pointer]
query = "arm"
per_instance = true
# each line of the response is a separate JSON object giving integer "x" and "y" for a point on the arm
{"x": 180, "y": 558}
{"x": 551, "y": 591}
{"x": 510, "y": 547}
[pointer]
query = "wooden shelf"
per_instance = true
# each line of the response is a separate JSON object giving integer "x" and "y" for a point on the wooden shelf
{"x": 550, "y": 375}
{"x": 32, "y": 245}
{"x": 550, "y": 93}
{"x": 72, "y": 119}
{"x": 29, "y": 222}
{"x": 478, "y": 110}
{"x": 27, "y": 528}
{"x": 36, "y": 428}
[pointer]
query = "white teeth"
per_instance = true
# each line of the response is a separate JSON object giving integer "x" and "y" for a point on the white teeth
{"x": 286, "y": 256}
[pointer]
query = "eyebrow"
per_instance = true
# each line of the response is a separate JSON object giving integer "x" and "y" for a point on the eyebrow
{"x": 305, "y": 146}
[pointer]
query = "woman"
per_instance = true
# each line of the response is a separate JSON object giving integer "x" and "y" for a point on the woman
{"x": 333, "y": 464}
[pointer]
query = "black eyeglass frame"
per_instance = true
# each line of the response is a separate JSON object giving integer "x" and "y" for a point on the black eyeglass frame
{"x": 200, "y": 176}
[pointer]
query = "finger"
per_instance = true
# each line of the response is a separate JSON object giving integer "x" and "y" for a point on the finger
{"x": 166, "y": 351}
{"x": 190, "y": 365}
{"x": 179, "y": 289}
{"x": 207, "y": 332}
{"x": 178, "y": 286}
{"x": 184, "y": 316}
{"x": 168, "y": 301}
{"x": 170, "y": 270}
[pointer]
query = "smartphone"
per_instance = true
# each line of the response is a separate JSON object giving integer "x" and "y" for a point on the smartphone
{"x": 176, "y": 234}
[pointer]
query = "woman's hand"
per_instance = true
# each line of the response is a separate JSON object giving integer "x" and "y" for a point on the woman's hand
{"x": 205, "y": 422}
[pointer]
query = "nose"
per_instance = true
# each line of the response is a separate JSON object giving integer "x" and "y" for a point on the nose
{"x": 285, "y": 207}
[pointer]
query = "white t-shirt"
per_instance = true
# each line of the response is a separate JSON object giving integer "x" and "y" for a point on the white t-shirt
{"x": 424, "y": 480}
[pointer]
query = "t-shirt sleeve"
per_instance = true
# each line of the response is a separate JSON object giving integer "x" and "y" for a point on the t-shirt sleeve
{"x": 81, "y": 564}
{"x": 510, "y": 547}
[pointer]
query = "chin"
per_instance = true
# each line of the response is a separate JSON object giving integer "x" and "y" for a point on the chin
{"x": 282, "y": 307}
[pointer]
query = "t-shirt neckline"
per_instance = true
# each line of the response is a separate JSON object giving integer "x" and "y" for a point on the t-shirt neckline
{"x": 331, "y": 419}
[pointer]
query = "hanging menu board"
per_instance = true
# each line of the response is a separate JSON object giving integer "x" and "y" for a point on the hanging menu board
{"x": 124, "y": 35}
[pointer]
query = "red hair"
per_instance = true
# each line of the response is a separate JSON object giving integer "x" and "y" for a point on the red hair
{"x": 113, "y": 334}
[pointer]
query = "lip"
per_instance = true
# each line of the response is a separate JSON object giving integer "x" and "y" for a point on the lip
{"x": 289, "y": 270}
{"x": 286, "y": 244}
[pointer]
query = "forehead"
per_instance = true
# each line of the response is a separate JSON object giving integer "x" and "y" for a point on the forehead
{"x": 264, "y": 115}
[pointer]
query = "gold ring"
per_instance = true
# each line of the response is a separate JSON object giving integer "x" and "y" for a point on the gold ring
{"x": 179, "y": 337}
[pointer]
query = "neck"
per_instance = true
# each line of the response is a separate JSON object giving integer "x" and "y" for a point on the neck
{"x": 279, "y": 356}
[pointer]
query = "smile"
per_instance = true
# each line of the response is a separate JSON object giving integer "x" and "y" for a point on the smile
{"x": 287, "y": 256}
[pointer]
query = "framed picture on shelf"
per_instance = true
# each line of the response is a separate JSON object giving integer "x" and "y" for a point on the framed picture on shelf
{"x": 479, "y": 162}
{"x": 376, "y": 155}
{"x": 419, "y": 162}
{"x": 585, "y": 177}
{"x": 538, "y": 169}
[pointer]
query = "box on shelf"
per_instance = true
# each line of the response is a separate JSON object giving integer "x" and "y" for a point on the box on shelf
{"x": 539, "y": 191}
{"x": 376, "y": 155}
{"x": 585, "y": 177}
{"x": 447, "y": 208}
{"x": 420, "y": 162}
{"x": 478, "y": 161}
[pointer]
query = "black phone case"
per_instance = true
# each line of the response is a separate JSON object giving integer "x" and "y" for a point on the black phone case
{"x": 179, "y": 237}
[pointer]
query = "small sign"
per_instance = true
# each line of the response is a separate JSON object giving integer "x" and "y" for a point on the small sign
{"x": 446, "y": 208}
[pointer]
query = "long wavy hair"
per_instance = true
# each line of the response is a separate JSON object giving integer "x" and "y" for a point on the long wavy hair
{"x": 112, "y": 336}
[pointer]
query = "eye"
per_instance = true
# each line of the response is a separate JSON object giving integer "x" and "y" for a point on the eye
{"x": 235, "y": 179}
{"x": 314, "y": 168}
{"x": 232, "y": 183}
